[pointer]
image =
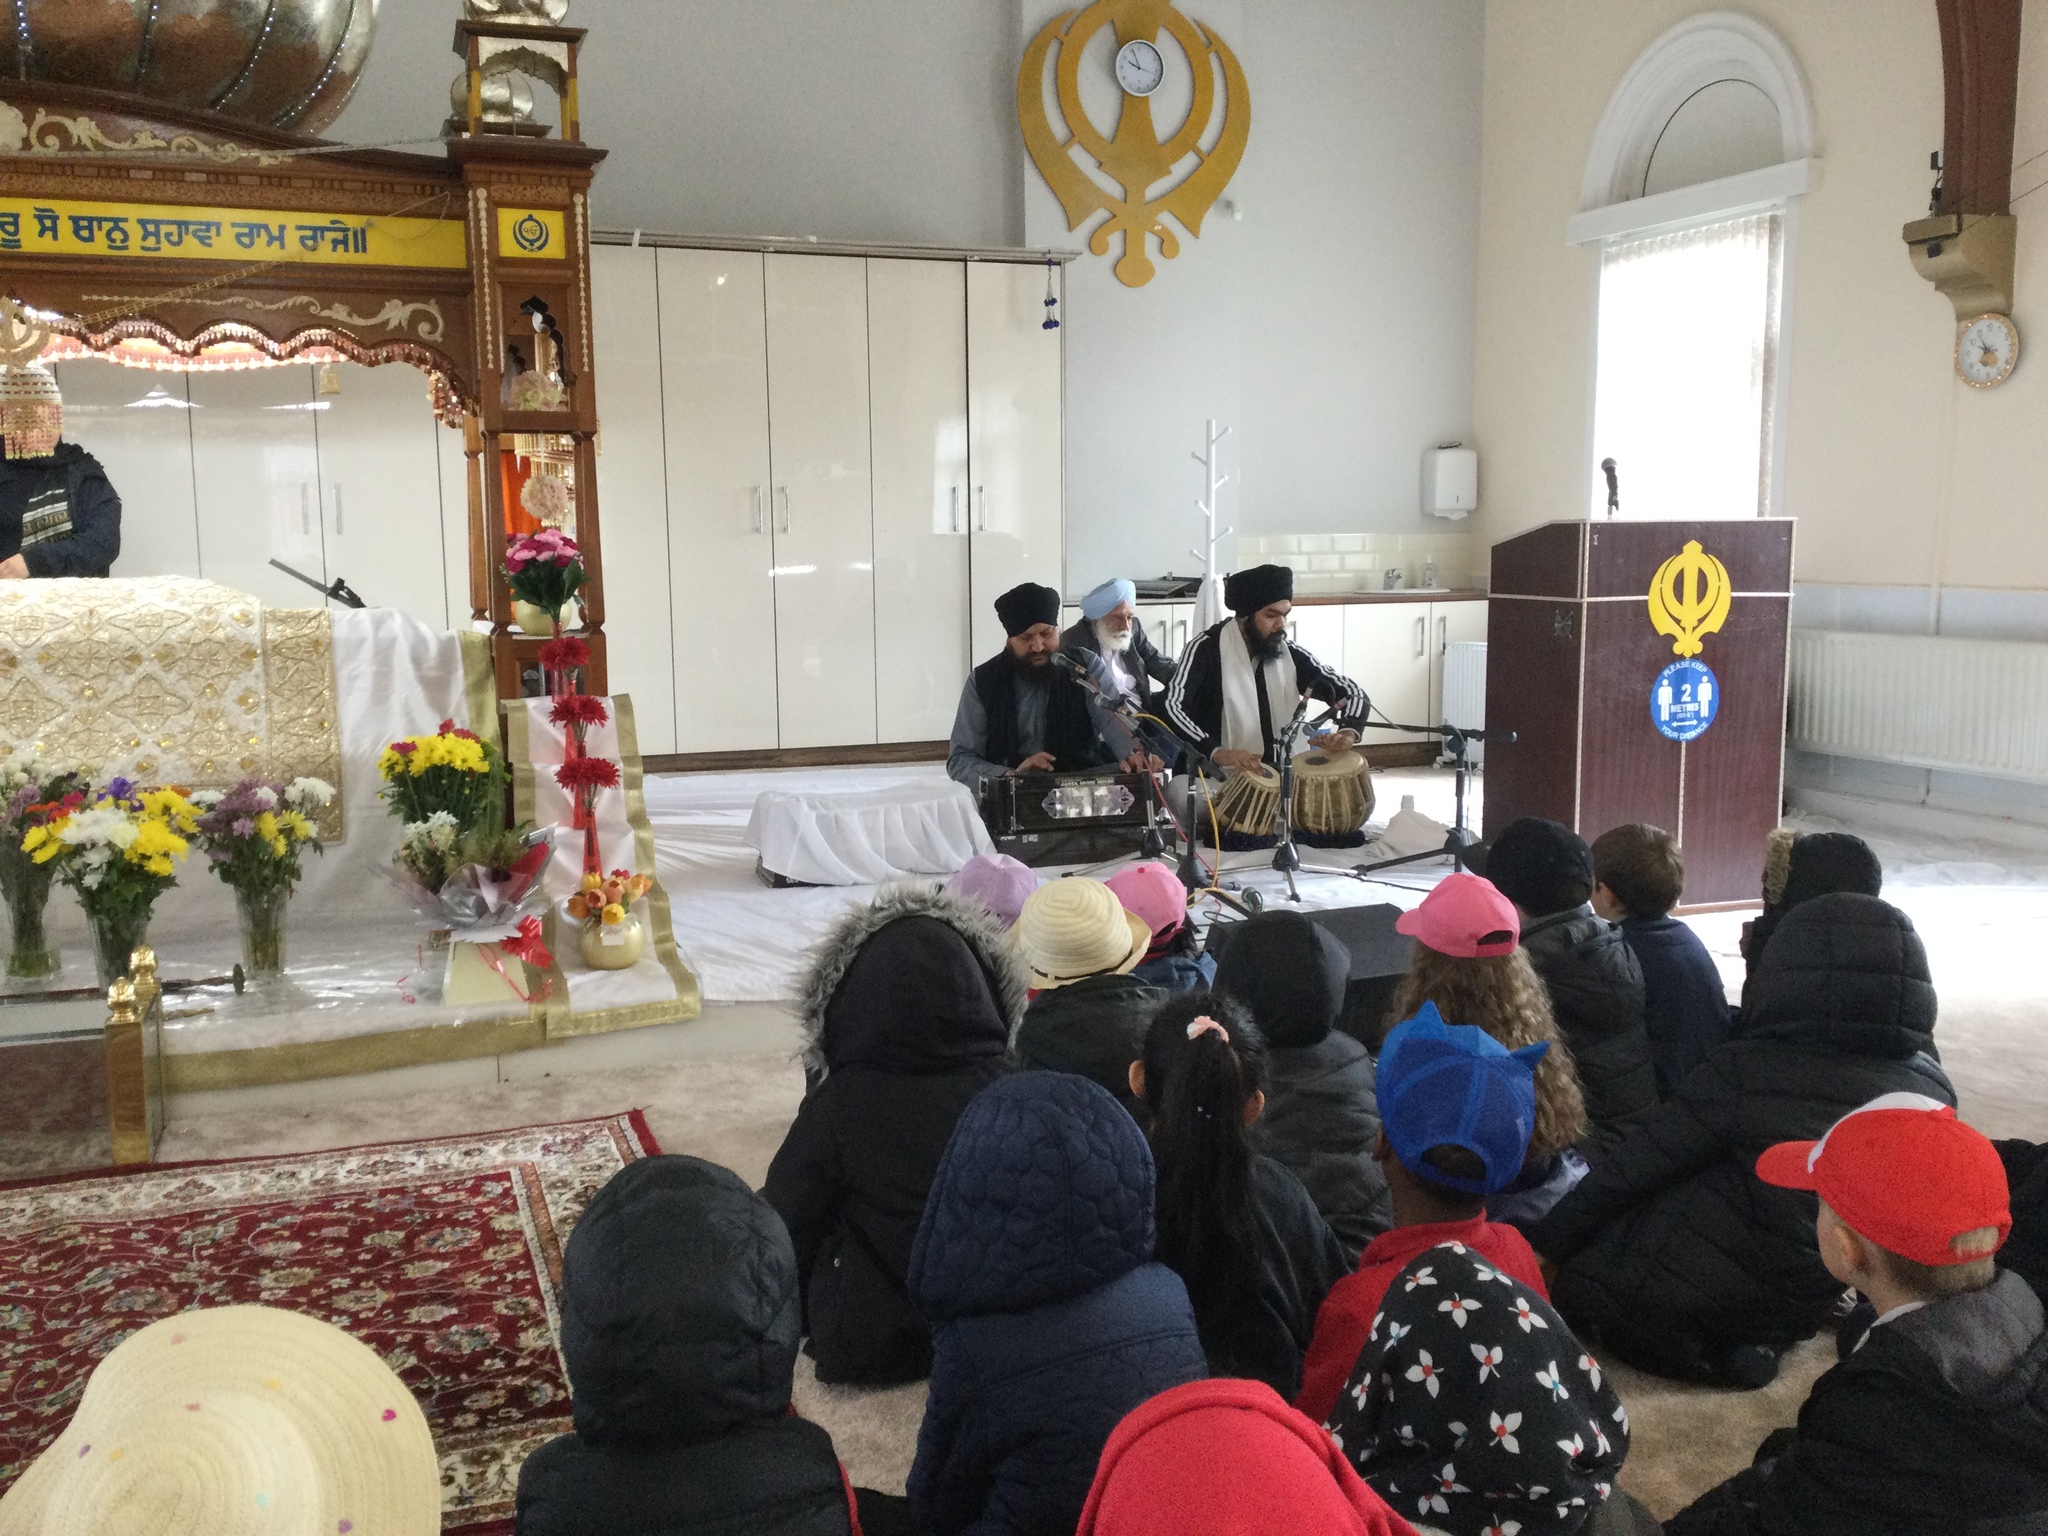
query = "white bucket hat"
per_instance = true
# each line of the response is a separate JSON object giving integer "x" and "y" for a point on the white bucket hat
{"x": 240, "y": 1421}
{"x": 1076, "y": 928}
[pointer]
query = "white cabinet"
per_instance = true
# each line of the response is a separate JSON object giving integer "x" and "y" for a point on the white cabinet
{"x": 822, "y": 500}
{"x": 380, "y": 493}
{"x": 917, "y": 399}
{"x": 137, "y": 425}
{"x": 256, "y": 476}
{"x": 714, "y": 372}
{"x": 1394, "y": 651}
{"x": 1170, "y": 626}
{"x": 632, "y": 493}
{"x": 1319, "y": 629}
{"x": 1015, "y": 443}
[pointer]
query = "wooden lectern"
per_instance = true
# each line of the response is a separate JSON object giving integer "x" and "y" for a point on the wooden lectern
{"x": 1583, "y": 620}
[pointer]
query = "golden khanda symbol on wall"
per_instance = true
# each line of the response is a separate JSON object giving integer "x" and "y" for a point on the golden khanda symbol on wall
{"x": 1137, "y": 159}
{"x": 1689, "y": 598}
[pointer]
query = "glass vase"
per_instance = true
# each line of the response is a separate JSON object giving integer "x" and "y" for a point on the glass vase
{"x": 116, "y": 937}
{"x": 262, "y": 919}
{"x": 25, "y": 885}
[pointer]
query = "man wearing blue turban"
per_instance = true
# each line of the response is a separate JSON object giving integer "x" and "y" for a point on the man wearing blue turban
{"x": 1109, "y": 628}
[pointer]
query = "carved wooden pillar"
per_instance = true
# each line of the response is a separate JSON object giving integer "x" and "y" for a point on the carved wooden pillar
{"x": 1980, "y": 65}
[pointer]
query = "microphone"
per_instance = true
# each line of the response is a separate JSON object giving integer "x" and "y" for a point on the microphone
{"x": 1613, "y": 486}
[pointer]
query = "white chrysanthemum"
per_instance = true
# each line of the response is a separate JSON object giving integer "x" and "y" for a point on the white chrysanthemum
{"x": 207, "y": 799}
{"x": 307, "y": 794}
{"x": 265, "y": 796}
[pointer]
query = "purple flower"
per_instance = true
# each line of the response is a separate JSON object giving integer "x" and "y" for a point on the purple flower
{"x": 119, "y": 789}
{"x": 244, "y": 827}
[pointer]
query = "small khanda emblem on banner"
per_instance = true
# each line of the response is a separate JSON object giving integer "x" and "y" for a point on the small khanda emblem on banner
{"x": 1137, "y": 159}
{"x": 1689, "y": 598}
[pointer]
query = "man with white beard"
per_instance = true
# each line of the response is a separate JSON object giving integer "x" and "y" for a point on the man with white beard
{"x": 1109, "y": 628}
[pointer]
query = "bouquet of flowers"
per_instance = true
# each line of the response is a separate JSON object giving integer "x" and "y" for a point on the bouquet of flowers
{"x": 544, "y": 569}
{"x": 253, "y": 835}
{"x": 576, "y": 713}
{"x": 454, "y": 773}
{"x": 29, "y": 797}
{"x": 561, "y": 663}
{"x": 581, "y": 778}
{"x": 605, "y": 898}
{"x": 118, "y": 849}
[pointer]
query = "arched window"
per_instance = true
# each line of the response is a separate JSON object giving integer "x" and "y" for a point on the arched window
{"x": 1689, "y": 193}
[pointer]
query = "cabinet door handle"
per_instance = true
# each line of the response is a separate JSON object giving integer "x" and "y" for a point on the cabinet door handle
{"x": 955, "y": 516}
{"x": 981, "y": 504}
{"x": 305, "y": 509}
{"x": 1422, "y": 637}
{"x": 783, "y": 492}
{"x": 337, "y": 511}
{"x": 1443, "y": 635}
{"x": 760, "y": 522}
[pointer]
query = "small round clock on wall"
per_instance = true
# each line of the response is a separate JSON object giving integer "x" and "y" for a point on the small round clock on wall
{"x": 1139, "y": 67}
{"x": 1986, "y": 350}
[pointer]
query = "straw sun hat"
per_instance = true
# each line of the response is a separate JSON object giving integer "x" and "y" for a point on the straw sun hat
{"x": 241, "y": 1421}
{"x": 1075, "y": 928}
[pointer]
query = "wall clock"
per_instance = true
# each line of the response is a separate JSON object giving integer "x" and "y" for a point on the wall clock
{"x": 1986, "y": 349}
{"x": 1139, "y": 67}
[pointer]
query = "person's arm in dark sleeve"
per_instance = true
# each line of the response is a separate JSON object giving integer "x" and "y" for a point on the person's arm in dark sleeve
{"x": 1682, "y": 1136}
{"x": 93, "y": 543}
{"x": 1320, "y": 681}
{"x": 965, "y": 759}
{"x": 804, "y": 1183}
{"x": 1200, "y": 662}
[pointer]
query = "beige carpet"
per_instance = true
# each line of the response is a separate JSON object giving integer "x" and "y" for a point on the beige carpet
{"x": 734, "y": 1110}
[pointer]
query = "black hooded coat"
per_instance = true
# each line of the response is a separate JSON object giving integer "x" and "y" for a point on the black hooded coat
{"x": 1673, "y": 1241}
{"x": 909, "y": 1008}
{"x": 679, "y": 1329}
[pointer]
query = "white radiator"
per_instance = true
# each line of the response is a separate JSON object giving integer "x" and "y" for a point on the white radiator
{"x": 1973, "y": 706}
{"x": 1465, "y": 690}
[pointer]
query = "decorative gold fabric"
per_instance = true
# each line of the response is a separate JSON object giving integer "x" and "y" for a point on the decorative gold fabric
{"x": 168, "y": 680}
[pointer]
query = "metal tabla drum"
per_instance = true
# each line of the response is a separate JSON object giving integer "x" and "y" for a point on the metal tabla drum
{"x": 1249, "y": 802}
{"x": 1332, "y": 793}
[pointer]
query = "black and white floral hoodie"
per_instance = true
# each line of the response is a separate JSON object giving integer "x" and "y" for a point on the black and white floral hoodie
{"x": 1474, "y": 1410}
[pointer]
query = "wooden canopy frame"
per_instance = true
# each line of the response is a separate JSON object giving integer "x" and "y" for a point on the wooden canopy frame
{"x": 122, "y": 219}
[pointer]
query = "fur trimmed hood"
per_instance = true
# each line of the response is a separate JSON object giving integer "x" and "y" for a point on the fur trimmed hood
{"x": 872, "y": 1025}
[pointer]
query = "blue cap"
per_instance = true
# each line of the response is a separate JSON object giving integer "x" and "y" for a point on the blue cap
{"x": 1120, "y": 589}
{"x": 1453, "y": 1085}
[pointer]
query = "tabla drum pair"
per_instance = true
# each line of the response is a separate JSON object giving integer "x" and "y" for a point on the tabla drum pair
{"x": 1332, "y": 797}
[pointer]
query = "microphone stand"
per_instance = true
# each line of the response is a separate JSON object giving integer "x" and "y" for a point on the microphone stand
{"x": 1459, "y": 841}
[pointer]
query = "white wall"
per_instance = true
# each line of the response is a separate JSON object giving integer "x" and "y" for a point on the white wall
{"x": 1907, "y": 485}
{"x": 1331, "y": 328}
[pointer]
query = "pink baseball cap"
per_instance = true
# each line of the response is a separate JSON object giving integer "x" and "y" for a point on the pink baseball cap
{"x": 1464, "y": 916}
{"x": 1154, "y": 895}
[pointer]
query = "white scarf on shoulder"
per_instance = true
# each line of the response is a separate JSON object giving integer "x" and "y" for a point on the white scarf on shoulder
{"x": 1241, "y": 729}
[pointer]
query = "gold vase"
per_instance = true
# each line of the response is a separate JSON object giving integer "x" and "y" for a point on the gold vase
{"x": 533, "y": 619}
{"x": 620, "y": 955}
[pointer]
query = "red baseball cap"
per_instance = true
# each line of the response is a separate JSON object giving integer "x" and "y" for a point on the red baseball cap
{"x": 1903, "y": 1172}
{"x": 1464, "y": 916}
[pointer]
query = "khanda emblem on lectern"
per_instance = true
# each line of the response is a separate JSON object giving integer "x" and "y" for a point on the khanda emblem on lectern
{"x": 1690, "y": 597}
{"x": 1136, "y": 158}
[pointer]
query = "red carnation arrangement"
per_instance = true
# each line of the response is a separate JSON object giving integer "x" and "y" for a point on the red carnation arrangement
{"x": 560, "y": 655}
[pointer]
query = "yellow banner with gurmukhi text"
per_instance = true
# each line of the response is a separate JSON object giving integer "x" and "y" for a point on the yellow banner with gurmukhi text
{"x": 39, "y": 227}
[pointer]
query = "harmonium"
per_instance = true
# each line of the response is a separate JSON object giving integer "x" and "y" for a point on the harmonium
{"x": 1067, "y": 818}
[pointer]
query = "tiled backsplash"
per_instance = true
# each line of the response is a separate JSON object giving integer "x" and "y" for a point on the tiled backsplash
{"x": 1326, "y": 564}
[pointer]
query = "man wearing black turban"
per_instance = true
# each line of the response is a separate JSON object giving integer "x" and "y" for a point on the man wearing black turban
{"x": 1020, "y": 714}
{"x": 1241, "y": 681}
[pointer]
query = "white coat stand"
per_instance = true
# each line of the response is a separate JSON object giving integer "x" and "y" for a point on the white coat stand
{"x": 1209, "y": 598}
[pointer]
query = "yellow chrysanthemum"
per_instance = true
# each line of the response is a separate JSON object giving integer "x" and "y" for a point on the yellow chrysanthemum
{"x": 266, "y": 825}
{"x": 44, "y": 843}
{"x": 155, "y": 846}
{"x": 298, "y": 826}
{"x": 168, "y": 805}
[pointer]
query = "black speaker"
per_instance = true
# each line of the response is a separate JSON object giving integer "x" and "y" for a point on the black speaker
{"x": 1379, "y": 959}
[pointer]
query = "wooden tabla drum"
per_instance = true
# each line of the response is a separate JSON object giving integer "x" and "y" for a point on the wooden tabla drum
{"x": 1332, "y": 793}
{"x": 1249, "y": 802}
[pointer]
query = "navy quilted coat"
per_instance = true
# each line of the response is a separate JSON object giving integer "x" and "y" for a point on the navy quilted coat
{"x": 1050, "y": 1320}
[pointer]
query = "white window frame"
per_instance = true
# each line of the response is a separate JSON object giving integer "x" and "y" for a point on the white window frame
{"x": 1700, "y": 51}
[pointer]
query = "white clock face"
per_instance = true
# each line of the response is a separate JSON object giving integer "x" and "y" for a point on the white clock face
{"x": 1986, "y": 351}
{"x": 1139, "y": 67}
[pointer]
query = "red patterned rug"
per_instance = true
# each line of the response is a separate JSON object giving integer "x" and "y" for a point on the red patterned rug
{"x": 444, "y": 1256}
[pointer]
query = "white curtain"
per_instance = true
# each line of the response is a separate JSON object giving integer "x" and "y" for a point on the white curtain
{"x": 1688, "y": 350}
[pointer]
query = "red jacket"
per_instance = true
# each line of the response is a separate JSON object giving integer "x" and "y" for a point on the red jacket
{"x": 1347, "y": 1312}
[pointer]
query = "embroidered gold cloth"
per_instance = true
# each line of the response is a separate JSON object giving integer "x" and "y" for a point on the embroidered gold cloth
{"x": 168, "y": 680}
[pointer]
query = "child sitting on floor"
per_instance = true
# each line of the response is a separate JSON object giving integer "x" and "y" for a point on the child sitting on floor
{"x": 680, "y": 1322}
{"x": 1320, "y": 1120}
{"x": 1938, "y": 1422}
{"x": 1238, "y": 1228}
{"x": 1051, "y": 1321}
{"x": 1466, "y": 961}
{"x": 1638, "y": 876}
{"x": 1591, "y": 974}
{"x": 1456, "y": 1109}
{"x": 1228, "y": 1458}
{"x": 1153, "y": 894}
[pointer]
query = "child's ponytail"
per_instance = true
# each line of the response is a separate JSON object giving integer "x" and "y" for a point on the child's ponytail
{"x": 1204, "y": 1062}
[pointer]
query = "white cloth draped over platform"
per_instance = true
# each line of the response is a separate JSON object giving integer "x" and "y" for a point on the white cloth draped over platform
{"x": 864, "y": 837}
